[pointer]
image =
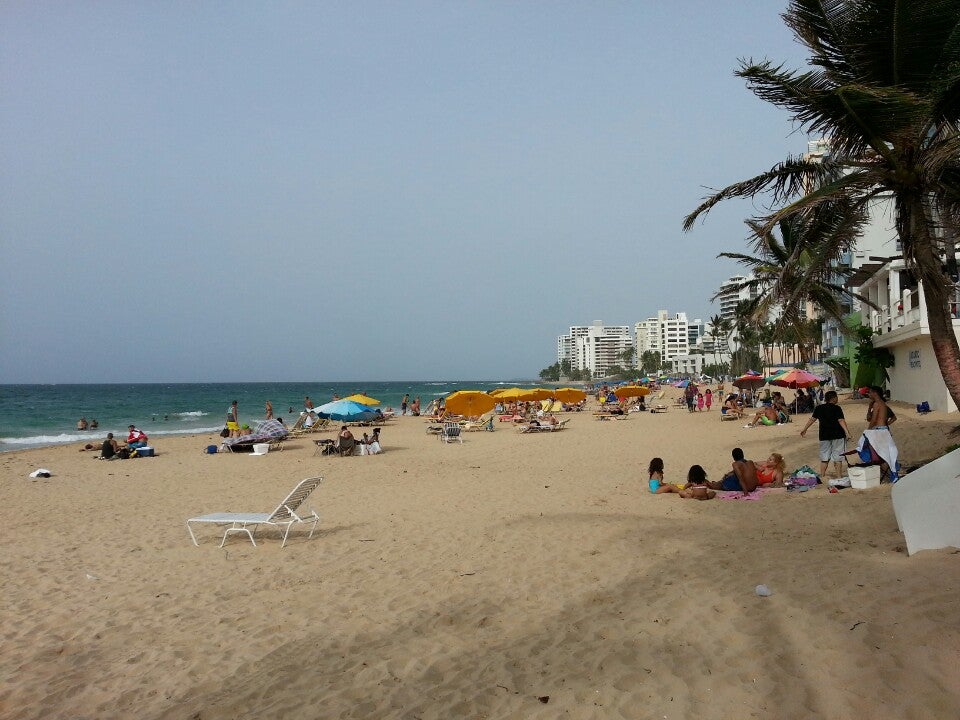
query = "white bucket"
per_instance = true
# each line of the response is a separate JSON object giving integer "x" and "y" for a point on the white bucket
{"x": 261, "y": 448}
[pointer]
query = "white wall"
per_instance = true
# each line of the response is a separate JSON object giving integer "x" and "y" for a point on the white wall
{"x": 916, "y": 377}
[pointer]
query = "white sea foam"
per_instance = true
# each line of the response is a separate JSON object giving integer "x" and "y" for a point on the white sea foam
{"x": 193, "y": 413}
{"x": 96, "y": 436}
{"x": 49, "y": 439}
{"x": 192, "y": 431}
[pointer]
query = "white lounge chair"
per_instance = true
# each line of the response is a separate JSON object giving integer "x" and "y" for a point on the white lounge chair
{"x": 284, "y": 515}
{"x": 451, "y": 433}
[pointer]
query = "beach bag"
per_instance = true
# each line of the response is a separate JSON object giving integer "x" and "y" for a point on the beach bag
{"x": 211, "y": 450}
{"x": 803, "y": 476}
{"x": 224, "y": 433}
{"x": 123, "y": 453}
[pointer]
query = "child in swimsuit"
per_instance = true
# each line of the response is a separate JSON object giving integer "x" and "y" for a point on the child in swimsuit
{"x": 657, "y": 485}
{"x": 697, "y": 485}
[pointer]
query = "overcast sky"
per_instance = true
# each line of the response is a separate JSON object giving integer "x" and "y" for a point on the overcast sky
{"x": 210, "y": 191}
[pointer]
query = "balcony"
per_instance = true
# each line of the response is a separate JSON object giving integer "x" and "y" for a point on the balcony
{"x": 907, "y": 319}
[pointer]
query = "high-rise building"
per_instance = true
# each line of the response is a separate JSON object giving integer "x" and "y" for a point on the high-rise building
{"x": 664, "y": 334}
{"x": 731, "y": 293}
{"x": 877, "y": 242}
{"x": 596, "y": 347}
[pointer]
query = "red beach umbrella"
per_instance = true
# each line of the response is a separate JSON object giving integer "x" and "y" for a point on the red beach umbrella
{"x": 796, "y": 378}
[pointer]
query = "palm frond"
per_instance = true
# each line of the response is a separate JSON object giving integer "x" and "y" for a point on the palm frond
{"x": 783, "y": 180}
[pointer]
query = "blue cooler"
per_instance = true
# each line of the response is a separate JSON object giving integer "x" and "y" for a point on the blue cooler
{"x": 145, "y": 451}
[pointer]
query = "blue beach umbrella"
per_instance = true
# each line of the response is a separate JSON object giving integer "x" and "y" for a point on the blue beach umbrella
{"x": 345, "y": 411}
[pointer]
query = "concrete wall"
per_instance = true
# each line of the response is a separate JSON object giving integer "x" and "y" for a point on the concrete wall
{"x": 916, "y": 376}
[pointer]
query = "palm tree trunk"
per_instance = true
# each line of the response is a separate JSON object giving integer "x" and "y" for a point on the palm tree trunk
{"x": 938, "y": 291}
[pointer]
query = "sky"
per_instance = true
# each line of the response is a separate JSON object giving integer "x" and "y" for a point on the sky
{"x": 297, "y": 191}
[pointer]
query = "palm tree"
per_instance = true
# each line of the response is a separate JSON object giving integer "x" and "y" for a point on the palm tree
{"x": 790, "y": 272}
{"x": 720, "y": 329}
{"x": 884, "y": 87}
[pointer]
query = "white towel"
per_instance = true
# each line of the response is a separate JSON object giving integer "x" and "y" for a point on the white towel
{"x": 882, "y": 442}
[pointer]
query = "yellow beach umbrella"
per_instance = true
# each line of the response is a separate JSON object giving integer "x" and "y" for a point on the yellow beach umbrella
{"x": 513, "y": 393}
{"x": 470, "y": 403}
{"x": 626, "y": 391}
{"x": 533, "y": 394}
{"x": 362, "y": 399}
{"x": 569, "y": 395}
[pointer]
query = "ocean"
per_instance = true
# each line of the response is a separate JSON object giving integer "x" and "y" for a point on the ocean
{"x": 44, "y": 415}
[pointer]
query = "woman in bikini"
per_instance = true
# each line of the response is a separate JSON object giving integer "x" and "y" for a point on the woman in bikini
{"x": 770, "y": 471}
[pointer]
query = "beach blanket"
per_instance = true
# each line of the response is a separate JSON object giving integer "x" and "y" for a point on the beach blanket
{"x": 882, "y": 442}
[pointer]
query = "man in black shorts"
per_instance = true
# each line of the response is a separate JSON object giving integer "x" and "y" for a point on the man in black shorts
{"x": 833, "y": 433}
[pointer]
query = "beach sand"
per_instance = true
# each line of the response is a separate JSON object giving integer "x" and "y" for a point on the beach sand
{"x": 512, "y": 576}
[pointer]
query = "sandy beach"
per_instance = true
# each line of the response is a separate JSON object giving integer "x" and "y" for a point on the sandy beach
{"x": 512, "y": 576}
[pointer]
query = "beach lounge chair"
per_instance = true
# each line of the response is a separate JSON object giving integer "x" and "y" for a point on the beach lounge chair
{"x": 451, "y": 433}
{"x": 347, "y": 446}
{"x": 725, "y": 414}
{"x": 484, "y": 422}
{"x": 284, "y": 516}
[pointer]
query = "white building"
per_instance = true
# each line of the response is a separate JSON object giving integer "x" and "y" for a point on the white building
{"x": 690, "y": 364}
{"x": 879, "y": 240}
{"x": 664, "y": 334}
{"x": 901, "y": 321}
{"x": 731, "y": 294}
{"x": 596, "y": 347}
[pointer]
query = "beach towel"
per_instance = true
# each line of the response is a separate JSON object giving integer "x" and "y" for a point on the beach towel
{"x": 880, "y": 439}
{"x": 737, "y": 495}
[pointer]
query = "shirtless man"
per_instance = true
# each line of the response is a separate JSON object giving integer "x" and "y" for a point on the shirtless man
{"x": 879, "y": 414}
{"x": 766, "y": 416}
{"x": 743, "y": 477}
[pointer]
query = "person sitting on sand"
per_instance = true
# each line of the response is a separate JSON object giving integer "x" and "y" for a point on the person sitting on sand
{"x": 110, "y": 448}
{"x": 770, "y": 471}
{"x": 345, "y": 441}
{"x": 136, "y": 438}
{"x": 657, "y": 485}
{"x": 697, "y": 486}
{"x": 743, "y": 476}
{"x": 766, "y": 416}
{"x": 732, "y": 407}
{"x": 373, "y": 444}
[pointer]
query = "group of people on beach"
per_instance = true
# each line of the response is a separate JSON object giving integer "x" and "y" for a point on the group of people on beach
{"x": 745, "y": 476}
{"x": 110, "y": 449}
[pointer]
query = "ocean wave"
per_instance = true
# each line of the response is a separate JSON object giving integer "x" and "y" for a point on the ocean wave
{"x": 49, "y": 439}
{"x": 192, "y": 413}
{"x": 95, "y": 437}
{"x": 191, "y": 431}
